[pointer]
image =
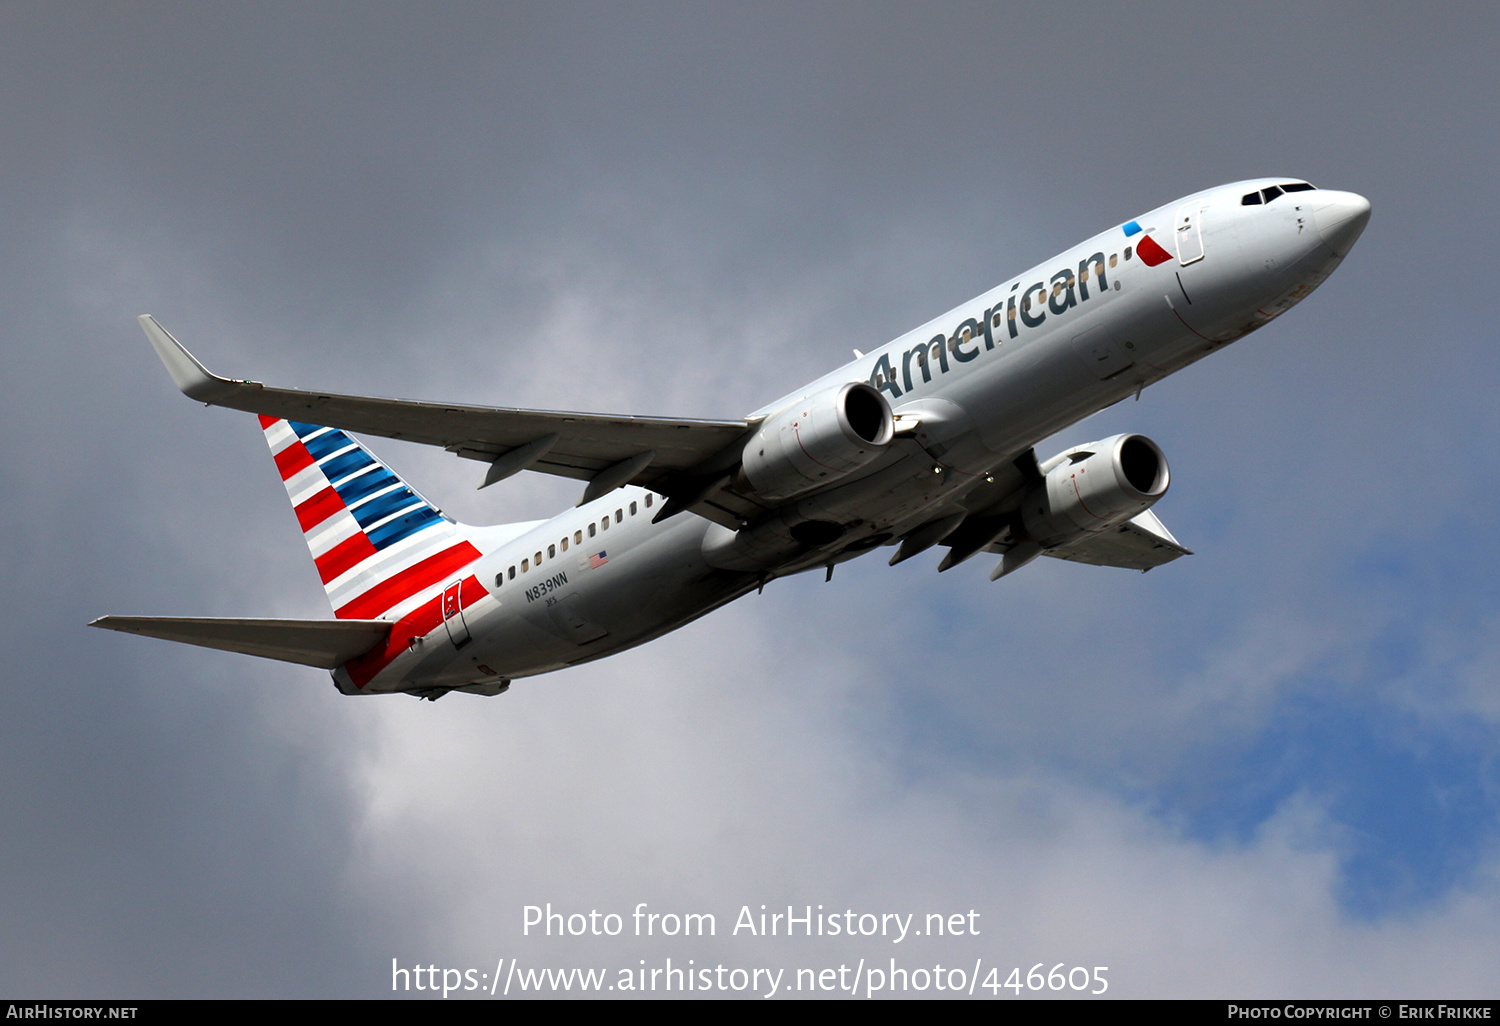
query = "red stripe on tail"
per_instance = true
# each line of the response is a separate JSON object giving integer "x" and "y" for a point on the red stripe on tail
{"x": 402, "y": 586}
{"x": 344, "y": 556}
{"x": 293, "y": 458}
{"x": 318, "y": 509}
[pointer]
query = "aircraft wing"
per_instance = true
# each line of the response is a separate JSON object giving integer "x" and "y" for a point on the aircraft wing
{"x": 323, "y": 643}
{"x": 1140, "y": 543}
{"x": 667, "y": 455}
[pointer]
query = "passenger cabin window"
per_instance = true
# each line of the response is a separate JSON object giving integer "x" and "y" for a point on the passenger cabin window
{"x": 1129, "y": 252}
{"x": 565, "y": 545}
{"x": 648, "y": 500}
{"x": 551, "y": 551}
{"x": 619, "y": 515}
{"x": 592, "y": 532}
{"x": 604, "y": 524}
{"x": 632, "y": 509}
{"x": 577, "y": 537}
{"x": 513, "y": 573}
{"x": 539, "y": 558}
{"x": 1114, "y": 258}
{"x": 525, "y": 565}
{"x": 500, "y": 578}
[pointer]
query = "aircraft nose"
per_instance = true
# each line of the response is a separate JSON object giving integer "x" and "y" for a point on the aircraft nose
{"x": 1340, "y": 217}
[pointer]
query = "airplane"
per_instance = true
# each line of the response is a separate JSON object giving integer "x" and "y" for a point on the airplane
{"x": 926, "y": 441}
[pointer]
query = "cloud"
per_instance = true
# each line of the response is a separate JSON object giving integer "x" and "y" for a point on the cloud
{"x": 599, "y": 789}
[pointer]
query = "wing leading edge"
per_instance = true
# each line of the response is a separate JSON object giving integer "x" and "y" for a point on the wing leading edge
{"x": 655, "y": 452}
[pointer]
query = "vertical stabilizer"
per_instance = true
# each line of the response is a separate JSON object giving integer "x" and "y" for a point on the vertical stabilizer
{"x": 380, "y": 548}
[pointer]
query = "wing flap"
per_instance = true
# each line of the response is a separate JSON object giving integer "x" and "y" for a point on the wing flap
{"x": 326, "y": 644}
{"x": 586, "y": 442}
{"x": 1140, "y": 543}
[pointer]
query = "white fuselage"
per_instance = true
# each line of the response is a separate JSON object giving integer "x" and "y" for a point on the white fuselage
{"x": 987, "y": 380}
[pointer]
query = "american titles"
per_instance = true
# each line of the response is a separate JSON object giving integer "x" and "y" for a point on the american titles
{"x": 1005, "y": 320}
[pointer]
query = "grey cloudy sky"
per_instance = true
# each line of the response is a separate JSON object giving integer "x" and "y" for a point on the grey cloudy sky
{"x": 1269, "y": 769}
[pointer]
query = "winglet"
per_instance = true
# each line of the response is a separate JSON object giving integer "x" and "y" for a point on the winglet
{"x": 195, "y": 380}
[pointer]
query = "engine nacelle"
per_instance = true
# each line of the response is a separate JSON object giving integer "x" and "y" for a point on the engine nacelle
{"x": 1094, "y": 487}
{"x": 817, "y": 440}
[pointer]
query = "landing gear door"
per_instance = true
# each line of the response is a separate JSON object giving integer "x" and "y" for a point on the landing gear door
{"x": 1189, "y": 234}
{"x": 453, "y": 615}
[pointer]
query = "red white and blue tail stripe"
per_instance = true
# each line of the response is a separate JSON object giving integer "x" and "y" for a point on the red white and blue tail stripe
{"x": 382, "y": 551}
{"x": 377, "y": 544}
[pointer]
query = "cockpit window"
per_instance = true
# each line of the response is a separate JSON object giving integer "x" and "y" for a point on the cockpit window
{"x": 1271, "y": 192}
{"x": 1255, "y": 199}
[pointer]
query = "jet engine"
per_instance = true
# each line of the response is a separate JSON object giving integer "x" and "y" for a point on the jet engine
{"x": 1094, "y": 487}
{"x": 817, "y": 440}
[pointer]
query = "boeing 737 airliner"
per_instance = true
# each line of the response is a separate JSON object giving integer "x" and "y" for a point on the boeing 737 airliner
{"x": 927, "y": 440}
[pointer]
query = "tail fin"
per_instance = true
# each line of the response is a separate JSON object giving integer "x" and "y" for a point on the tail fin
{"x": 377, "y": 544}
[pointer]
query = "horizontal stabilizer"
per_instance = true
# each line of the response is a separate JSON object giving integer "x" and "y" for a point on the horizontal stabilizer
{"x": 1140, "y": 543}
{"x": 327, "y": 644}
